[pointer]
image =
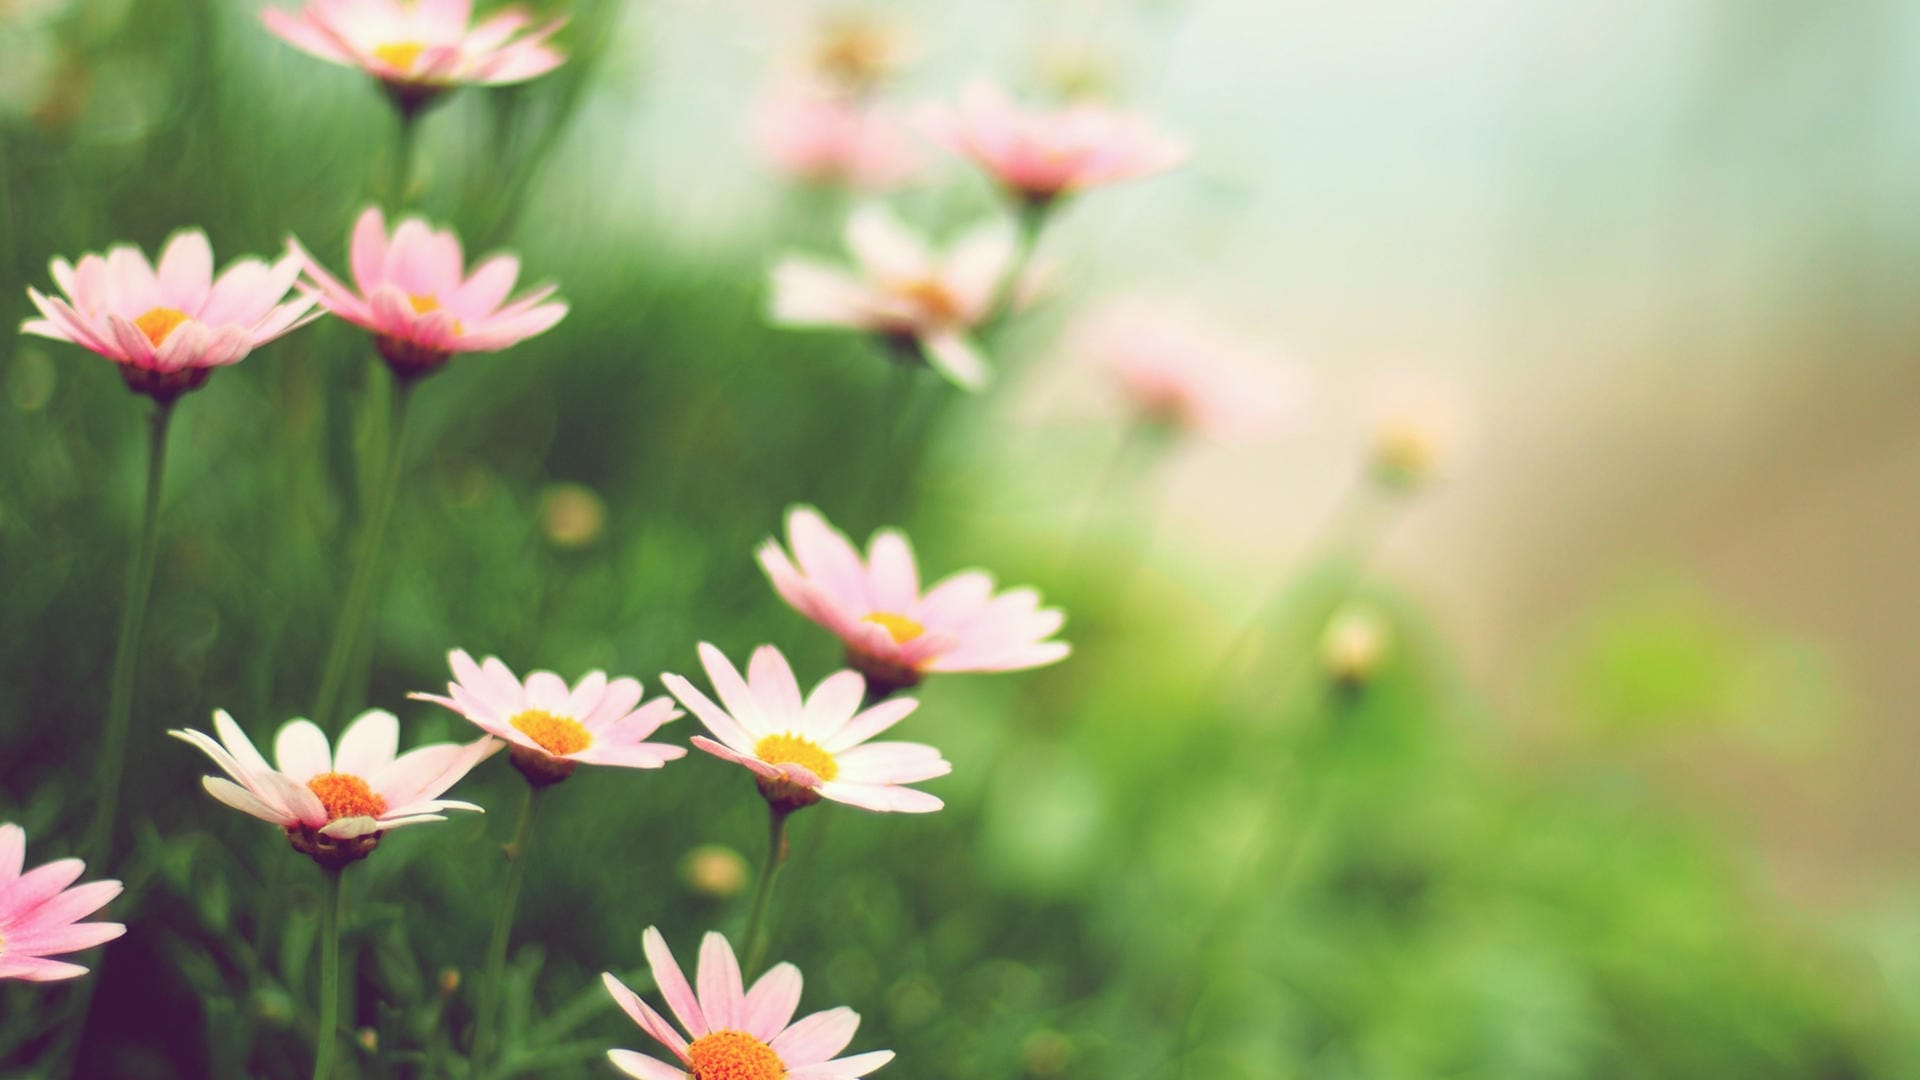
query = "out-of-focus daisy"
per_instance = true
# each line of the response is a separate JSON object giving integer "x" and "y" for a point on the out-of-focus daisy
{"x": 40, "y": 913}
{"x": 335, "y": 805}
{"x": 920, "y": 302}
{"x": 549, "y": 727}
{"x": 1040, "y": 154}
{"x": 169, "y": 327}
{"x": 895, "y": 633}
{"x": 418, "y": 48}
{"x": 829, "y": 139}
{"x": 857, "y": 51}
{"x": 1418, "y": 432}
{"x": 805, "y": 750}
{"x": 1179, "y": 371}
{"x": 733, "y": 1032}
{"x": 414, "y": 294}
{"x": 1353, "y": 645}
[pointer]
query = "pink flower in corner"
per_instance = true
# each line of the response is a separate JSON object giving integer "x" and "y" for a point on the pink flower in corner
{"x": 417, "y": 48}
{"x": 40, "y": 913}
{"x": 1041, "y": 154}
{"x": 894, "y": 633}
{"x": 414, "y": 294}
{"x": 1178, "y": 370}
{"x": 902, "y": 291}
{"x": 549, "y": 727}
{"x": 803, "y": 750}
{"x": 168, "y": 328}
{"x": 734, "y": 1032}
{"x": 818, "y": 137}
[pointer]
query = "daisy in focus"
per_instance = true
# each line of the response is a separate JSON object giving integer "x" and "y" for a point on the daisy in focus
{"x": 923, "y": 304}
{"x": 336, "y": 804}
{"x": 40, "y": 913}
{"x": 168, "y": 328}
{"x": 1178, "y": 371}
{"x": 734, "y": 1032}
{"x": 822, "y": 138}
{"x": 550, "y": 728}
{"x": 1041, "y": 154}
{"x": 419, "y": 48}
{"x": 803, "y": 750}
{"x": 894, "y": 633}
{"x": 413, "y": 293}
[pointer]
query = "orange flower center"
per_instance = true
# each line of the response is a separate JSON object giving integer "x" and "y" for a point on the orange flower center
{"x": 734, "y": 1055}
{"x": 345, "y": 795}
{"x": 400, "y": 55}
{"x": 558, "y": 735}
{"x": 933, "y": 298}
{"x": 160, "y": 322}
{"x": 901, "y": 628}
{"x": 794, "y": 750}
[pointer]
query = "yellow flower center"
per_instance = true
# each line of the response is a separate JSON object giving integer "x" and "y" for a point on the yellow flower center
{"x": 733, "y": 1055}
{"x": 932, "y": 297}
{"x": 901, "y": 628}
{"x": 345, "y": 795}
{"x": 400, "y": 55}
{"x": 794, "y": 750}
{"x": 558, "y": 735}
{"x": 160, "y": 322}
{"x": 423, "y": 304}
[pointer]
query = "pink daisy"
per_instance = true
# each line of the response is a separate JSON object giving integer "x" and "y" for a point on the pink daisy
{"x": 549, "y": 728}
{"x": 732, "y": 1032}
{"x": 924, "y": 303}
{"x": 818, "y": 137}
{"x": 1178, "y": 370}
{"x": 802, "y": 751}
{"x": 416, "y": 298}
{"x": 40, "y": 913}
{"x": 894, "y": 633}
{"x": 1041, "y": 154}
{"x": 335, "y": 806}
{"x": 168, "y": 329}
{"x": 418, "y": 48}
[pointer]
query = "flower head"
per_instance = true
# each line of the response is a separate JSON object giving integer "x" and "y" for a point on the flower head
{"x": 335, "y": 805}
{"x": 418, "y": 48}
{"x": 40, "y": 913}
{"x": 168, "y": 328}
{"x": 817, "y": 137}
{"x": 1353, "y": 645}
{"x": 1418, "y": 432}
{"x": 732, "y": 1032}
{"x": 1041, "y": 154}
{"x": 895, "y": 633}
{"x": 902, "y": 291}
{"x": 802, "y": 751}
{"x": 1179, "y": 371}
{"x": 414, "y": 294}
{"x": 550, "y": 728}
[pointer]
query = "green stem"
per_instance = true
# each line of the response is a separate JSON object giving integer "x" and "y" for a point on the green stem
{"x": 1030, "y": 219}
{"x": 401, "y": 178}
{"x": 327, "y": 1037}
{"x": 353, "y": 614}
{"x": 754, "y": 943}
{"x": 113, "y": 755}
{"x": 483, "y": 1030}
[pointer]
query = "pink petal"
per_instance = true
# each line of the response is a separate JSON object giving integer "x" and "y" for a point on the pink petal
{"x": 891, "y": 574}
{"x": 186, "y": 272}
{"x": 644, "y": 1067}
{"x": 721, "y": 996}
{"x": 673, "y": 983}
{"x": 769, "y": 1005}
{"x": 642, "y": 1014}
{"x": 817, "y": 1037}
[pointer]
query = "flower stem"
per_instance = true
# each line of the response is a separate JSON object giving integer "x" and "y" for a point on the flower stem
{"x": 113, "y": 755}
{"x": 755, "y": 940}
{"x": 483, "y": 1026}
{"x": 327, "y": 1038}
{"x": 353, "y": 615}
{"x": 401, "y": 179}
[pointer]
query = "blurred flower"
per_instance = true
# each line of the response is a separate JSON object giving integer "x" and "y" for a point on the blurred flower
{"x": 818, "y": 137}
{"x": 418, "y": 49}
{"x": 415, "y": 296}
{"x": 735, "y": 1033}
{"x": 714, "y": 870}
{"x": 168, "y": 329}
{"x": 336, "y": 806}
{"x": 1178, "y": 371}
{"x": 40, "y": 913}
{"x": 1353, "y": 645}
{"x": 894, "y": 633}
{"x": 856, "y": 51}
{"x": 1040, "y": 154}
{"x": 918, "y": 302}
{"x": 572, "y": 515}
{"x": 550, "y": 728}
{"x": 804, "y": 751}
{"x": 1417, "y": 432}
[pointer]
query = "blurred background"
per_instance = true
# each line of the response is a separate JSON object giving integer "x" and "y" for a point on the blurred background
{"x": 1586, "y": 756}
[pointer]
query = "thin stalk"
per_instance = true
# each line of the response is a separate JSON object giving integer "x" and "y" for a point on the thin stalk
{"x": 400, "y": 180}
{"x": 353, "y": 614}
{"x": 113, "y": 756}
{"x": 755, "y": 941}
{"x": 483, "y": 1029}
{"x": 327, "y": 1038}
